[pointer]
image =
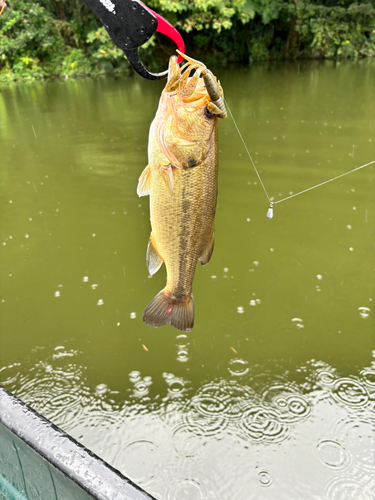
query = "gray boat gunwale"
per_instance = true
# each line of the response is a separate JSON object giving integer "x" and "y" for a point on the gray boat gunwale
{"x": 63, "y": 452}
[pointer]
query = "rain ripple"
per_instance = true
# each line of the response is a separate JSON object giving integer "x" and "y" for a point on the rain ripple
{"x": 263, "y": 425}
{"x": 350, "y": 392}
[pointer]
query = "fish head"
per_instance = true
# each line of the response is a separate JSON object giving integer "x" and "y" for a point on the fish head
{"x": 186, "y": 121}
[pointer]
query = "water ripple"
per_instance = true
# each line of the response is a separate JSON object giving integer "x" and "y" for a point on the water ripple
{"x": 350, "y": 392}
{"x": 332, "y": 454}
{"x": 262, "y": 424}
{"x": 293, "y": 407}
{"x": 350, "y": 487}
{"x": 184, "y": 489}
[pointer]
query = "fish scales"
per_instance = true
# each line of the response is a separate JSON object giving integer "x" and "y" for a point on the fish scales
{"x": 181, "y": 179}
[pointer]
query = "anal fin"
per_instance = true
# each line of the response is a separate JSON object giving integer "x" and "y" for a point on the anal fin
{"x": 144, "y": 182}
{"x": 207, "y": 251}
{"x": 153, "y": 259}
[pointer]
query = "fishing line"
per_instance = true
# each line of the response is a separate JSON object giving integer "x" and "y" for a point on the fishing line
{"x": 272, "y": 203}
{"x": 248, "y": 152}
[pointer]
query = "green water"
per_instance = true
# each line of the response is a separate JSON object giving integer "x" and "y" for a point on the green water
{"x": 271, "y": 396}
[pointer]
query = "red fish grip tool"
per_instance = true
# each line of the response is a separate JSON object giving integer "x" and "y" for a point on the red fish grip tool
{"x": 130, "y": 23}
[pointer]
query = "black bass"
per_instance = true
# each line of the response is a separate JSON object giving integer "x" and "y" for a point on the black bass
{"x": 181, "y": 180}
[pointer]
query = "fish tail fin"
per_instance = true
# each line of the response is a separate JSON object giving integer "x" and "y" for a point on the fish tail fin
{"x": 164, "y": 309}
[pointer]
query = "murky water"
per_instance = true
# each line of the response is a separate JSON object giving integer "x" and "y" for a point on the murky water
{"x": 271, "y": 396}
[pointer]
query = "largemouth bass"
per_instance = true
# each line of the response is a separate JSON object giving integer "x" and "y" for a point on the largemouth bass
{"x": 181, "y": 179}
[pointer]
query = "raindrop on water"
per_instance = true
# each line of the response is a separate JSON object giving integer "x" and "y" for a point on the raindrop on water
{"x": 298, "y": 322}
{"x": 332, "y": 453}
{"x": 364, "y": 312}
{"x": 238, "y": 367}
{"x": 264, "y": 478}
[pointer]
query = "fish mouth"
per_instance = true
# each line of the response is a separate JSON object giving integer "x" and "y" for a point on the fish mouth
{"x": 193, "y": 81}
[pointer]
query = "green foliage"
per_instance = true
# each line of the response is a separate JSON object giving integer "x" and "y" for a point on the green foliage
{"x": 106, "y": 56}
{"x": 332, "y": 31}
{"x": 62, "y": 38}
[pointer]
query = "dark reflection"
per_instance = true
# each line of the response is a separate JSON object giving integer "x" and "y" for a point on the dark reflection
{"x": 190, "y": 442}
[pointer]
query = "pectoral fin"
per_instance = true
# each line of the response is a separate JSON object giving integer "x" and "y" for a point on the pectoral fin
{"x": 144, "y": 182}
{"x": 207, "y": 251}
{"x": 166, "y": 173}
{"x": 153, "y": 259}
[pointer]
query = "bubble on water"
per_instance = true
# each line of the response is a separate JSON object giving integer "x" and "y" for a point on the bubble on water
{"x": 349, "y": 226}
{"x": 85, "y": 279}
{"x": 364, "y": 312}
{"x": 351, "y": 249}
{"x": 100, "y": 302}
{"x": 133, "y": 315}
{"x": 332, "y": 454}
{"x": 319, "y": 276}
{"x": 57, "y": 293}
{"x": 240, "y": 310}
{"x": 350, "y": 392}
{"x": 238, "y": 367}
{"x": 264, "y": 478}
{"x": 226, "y": 269}
{"x": 26, "y": 235}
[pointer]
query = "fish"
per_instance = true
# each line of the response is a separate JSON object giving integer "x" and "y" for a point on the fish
{"x": 181, "y": 181}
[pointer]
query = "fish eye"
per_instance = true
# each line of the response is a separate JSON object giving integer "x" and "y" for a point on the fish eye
{"x": 207, "y": 112}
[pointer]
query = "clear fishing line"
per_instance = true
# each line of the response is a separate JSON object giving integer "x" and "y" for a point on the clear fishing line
{"x": 272, "y": 203}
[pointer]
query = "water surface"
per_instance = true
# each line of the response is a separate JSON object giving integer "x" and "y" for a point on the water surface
{"x": 271, "y": 396}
